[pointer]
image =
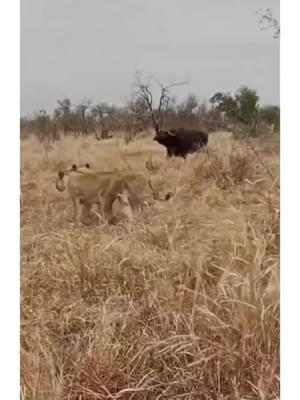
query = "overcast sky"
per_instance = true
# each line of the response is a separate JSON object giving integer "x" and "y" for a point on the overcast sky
{"x": 92, "y": 48}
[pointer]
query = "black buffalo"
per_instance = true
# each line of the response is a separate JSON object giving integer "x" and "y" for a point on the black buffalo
{"x": 181, "y": 142}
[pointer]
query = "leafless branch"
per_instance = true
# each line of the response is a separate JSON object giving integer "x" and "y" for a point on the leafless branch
{"x": 171, "y": 85}
{"x": 145, "y": 92}
{"x": 147, "y": 96}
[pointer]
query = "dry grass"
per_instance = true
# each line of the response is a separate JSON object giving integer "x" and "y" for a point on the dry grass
{"x": 181, "y": 304}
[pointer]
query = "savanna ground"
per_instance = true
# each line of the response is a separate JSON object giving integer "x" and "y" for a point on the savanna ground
{"x": 183, "y": 303}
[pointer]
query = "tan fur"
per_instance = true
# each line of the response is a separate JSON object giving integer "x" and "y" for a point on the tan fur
{"x": 88, "y": 187}
{"x": 138, "y": 182}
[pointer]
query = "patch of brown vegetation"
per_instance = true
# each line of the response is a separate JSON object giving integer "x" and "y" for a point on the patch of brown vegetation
{"x": 181, "y": 304}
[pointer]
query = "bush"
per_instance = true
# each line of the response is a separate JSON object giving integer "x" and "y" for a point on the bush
{"x": 270, "y": 115}
{"x": 226, "y": 172}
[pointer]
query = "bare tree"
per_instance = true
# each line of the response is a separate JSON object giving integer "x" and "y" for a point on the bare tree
{"x": 143, "y": 91}
{"x": 136, "y": 117}
{"x": 133, "y": 125}
{"x": 187, "y": 111}
{"x": 138, "y": 108}
{"x": 102, "y": 113}
{"x": 81, "y": 110}
{"x": 63, "y": 114}
{"x": 44, "y": 126}
{"x": 190, "y": 104}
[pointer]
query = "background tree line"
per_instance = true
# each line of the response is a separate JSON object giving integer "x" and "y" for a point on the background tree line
{"x": 239, "y": 112}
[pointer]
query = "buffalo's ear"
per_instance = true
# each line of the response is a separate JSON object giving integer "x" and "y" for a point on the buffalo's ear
{"x": 172, "y": 132}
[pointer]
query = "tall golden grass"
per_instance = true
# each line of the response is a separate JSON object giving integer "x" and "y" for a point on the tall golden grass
{"x": 183, "y": 303}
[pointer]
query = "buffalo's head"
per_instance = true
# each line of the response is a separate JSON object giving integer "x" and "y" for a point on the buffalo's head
{"x": 164, "y": 136}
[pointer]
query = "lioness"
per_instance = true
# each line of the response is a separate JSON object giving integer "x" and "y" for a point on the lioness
{"x": 137, "y": 182}
{"x": 87, "y": 187}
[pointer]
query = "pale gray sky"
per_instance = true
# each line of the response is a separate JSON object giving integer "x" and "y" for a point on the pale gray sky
{"x": 92, "y": 48}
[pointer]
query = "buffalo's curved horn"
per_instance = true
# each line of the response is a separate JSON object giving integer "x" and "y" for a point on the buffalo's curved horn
{"x": 171, "y": 133}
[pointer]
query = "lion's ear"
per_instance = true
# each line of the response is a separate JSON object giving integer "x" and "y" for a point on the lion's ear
{"x": 87, "y": 165}
{"x": 61, "y": 174}
{"x": 74, "y": 167}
